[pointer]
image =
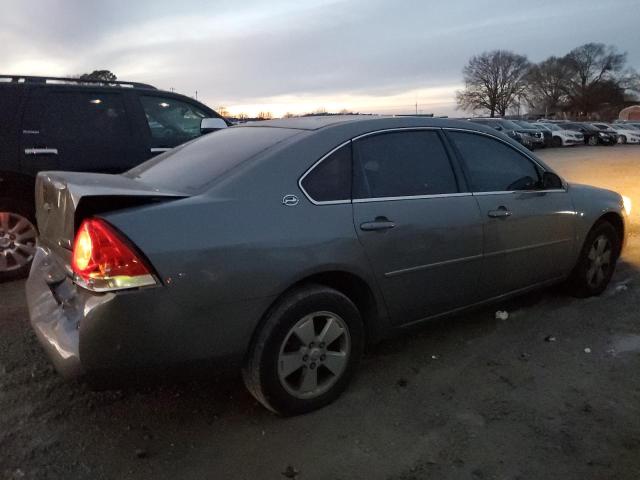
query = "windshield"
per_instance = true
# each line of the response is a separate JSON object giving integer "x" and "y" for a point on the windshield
{"x": 194, "y": 165}
{"x": 551, "y": 126}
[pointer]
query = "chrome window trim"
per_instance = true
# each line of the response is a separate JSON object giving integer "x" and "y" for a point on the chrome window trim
{"x": 508, "y": 192}
{"x": 420, "y": 197}
{"x": 524, "y": 154}
{"x": 411, "y": 197}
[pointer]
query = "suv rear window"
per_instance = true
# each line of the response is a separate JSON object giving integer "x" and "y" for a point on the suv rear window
{"x": 189, "y": 168}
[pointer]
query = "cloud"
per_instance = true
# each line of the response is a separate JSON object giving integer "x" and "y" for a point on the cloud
{"x": 312, "y": 52}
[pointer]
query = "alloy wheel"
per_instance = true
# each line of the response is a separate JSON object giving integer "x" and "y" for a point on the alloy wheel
{"x": 17, "y": 241}
{"x": 600, "y": 256}
{"x": 314, "y": 355}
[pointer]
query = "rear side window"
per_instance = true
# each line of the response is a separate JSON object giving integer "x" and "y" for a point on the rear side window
{"x": 402, "y": 164}
{"x": 494, "y": 166}
{"x": 330, "y": 181}
{"x": 83, "y": 116}
{"x": 192, "y": 166}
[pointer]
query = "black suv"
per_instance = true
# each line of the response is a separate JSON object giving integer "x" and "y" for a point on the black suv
{"x": 69, "y": 124}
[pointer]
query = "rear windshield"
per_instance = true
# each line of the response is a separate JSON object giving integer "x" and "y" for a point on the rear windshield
{"x": 192, "y": 166}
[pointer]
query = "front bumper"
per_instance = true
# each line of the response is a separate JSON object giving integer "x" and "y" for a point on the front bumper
{"x": 572, "y": 141}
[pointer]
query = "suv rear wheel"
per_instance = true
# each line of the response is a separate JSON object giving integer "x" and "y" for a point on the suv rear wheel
{"x": 306, "y": 351}
{"x": 17, "y": 239}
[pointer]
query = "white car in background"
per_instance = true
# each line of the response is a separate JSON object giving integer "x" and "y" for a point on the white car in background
{"x": 626, "y": 133}
{"x": 562, "y": 137}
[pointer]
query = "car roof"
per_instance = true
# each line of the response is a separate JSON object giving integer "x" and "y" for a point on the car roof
{"x": 372, "y": 122}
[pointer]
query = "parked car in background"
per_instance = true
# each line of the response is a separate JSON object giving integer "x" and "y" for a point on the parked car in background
{"x": 541, "y": 136}
{"x": 562, "y": 137}
{"x": 626, "y": 133}
{"x": 79, "y": 125}
{"x": 241, "y": 247}
{"x": 513, "y": 130}
{"x": 592, "y": 135}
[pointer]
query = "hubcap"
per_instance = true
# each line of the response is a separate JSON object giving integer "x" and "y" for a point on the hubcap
{"x": 17, "y": 241}
{"x": 314, "y": 355}
{"x": 599, "y": 261}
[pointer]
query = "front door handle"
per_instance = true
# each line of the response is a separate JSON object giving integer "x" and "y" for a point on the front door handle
{"x": 159, "y": 149}
{"x": 380, "y": 223}
{"x": 500, "y": 212}
{"x": 40, "y": 151}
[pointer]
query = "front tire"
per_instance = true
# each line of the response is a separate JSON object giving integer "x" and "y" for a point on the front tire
{"x": 622, "y": 139}
{"x": 18, "y": 235}
{"x": 556, "y": 142}
{"x": 593, "y": 141}
{"x": 305, "y": 352}
{"x": 597, "y": 261}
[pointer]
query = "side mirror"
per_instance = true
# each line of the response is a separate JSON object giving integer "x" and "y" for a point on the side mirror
{"x": 208, "y": 125}
{"x": 499, "y": 128}
{"x": 551, "y": 181}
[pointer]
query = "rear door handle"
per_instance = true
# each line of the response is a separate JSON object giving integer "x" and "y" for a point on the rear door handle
{"x": 159, "y": 149}
{"x": 377, "y": 224}
{"x": 500, "y": 212}
{"x": 40, "y": 151}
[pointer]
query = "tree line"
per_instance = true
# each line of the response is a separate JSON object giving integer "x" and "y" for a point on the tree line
{"x": 591, "y": 81}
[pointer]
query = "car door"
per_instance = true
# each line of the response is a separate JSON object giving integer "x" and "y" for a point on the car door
{"x": 528, "y": 227}
{"x": 76, "y": 130}
{"x": 169, "y": 121}
{"x": 421, "y": 230}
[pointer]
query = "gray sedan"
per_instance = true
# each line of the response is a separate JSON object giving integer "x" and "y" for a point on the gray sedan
{"x": 282, "y": 248}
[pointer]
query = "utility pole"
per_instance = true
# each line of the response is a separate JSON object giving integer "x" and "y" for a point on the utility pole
{"x": 416, "y": 108}
{"x": 196, "y": 94}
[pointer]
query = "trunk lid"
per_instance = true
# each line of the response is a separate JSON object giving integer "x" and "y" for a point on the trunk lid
{"x": 64, "y": 199}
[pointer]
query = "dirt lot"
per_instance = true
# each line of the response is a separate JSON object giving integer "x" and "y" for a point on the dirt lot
{"x": 465, "y": 398}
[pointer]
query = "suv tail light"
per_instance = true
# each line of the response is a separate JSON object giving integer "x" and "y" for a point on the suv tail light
{"x": 103, "y": 260}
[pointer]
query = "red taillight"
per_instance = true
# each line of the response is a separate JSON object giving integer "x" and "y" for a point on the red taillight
{"x": 103, "y": 260}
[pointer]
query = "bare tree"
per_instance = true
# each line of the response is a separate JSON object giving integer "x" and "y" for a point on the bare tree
{"x": 594, "y": 69}
{"x": 547, "y": 85}
{"x": 493, "y": 81}
{"x": 265, "y": 116}
{"x": 222, "y": 110}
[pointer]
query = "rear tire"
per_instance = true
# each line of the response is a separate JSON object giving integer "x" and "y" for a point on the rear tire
{"x": 289, "y": 369}
{"x": 18, "y": 235}
{"x": 597, "y": 261}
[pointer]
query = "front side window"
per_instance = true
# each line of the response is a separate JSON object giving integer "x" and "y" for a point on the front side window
{"x": 402, "y": 164}
{"x": 494, "y": 166}
{"x": 171, "y": 121}
{"x": 330, "y": 181}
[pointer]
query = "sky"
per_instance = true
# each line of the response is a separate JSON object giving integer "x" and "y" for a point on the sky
{"x": 281, "y": 56}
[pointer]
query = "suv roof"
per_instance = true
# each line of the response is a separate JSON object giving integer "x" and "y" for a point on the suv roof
{"x": 30, "y": 79}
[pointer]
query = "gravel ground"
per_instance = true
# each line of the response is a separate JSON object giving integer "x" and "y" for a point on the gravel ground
{"x": 551, "y": 392}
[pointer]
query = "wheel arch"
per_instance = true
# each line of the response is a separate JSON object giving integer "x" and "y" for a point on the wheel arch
{"x": 18, "y": 186}
{"x": 356, "y": 288}
{"x": 617, "y": 222}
